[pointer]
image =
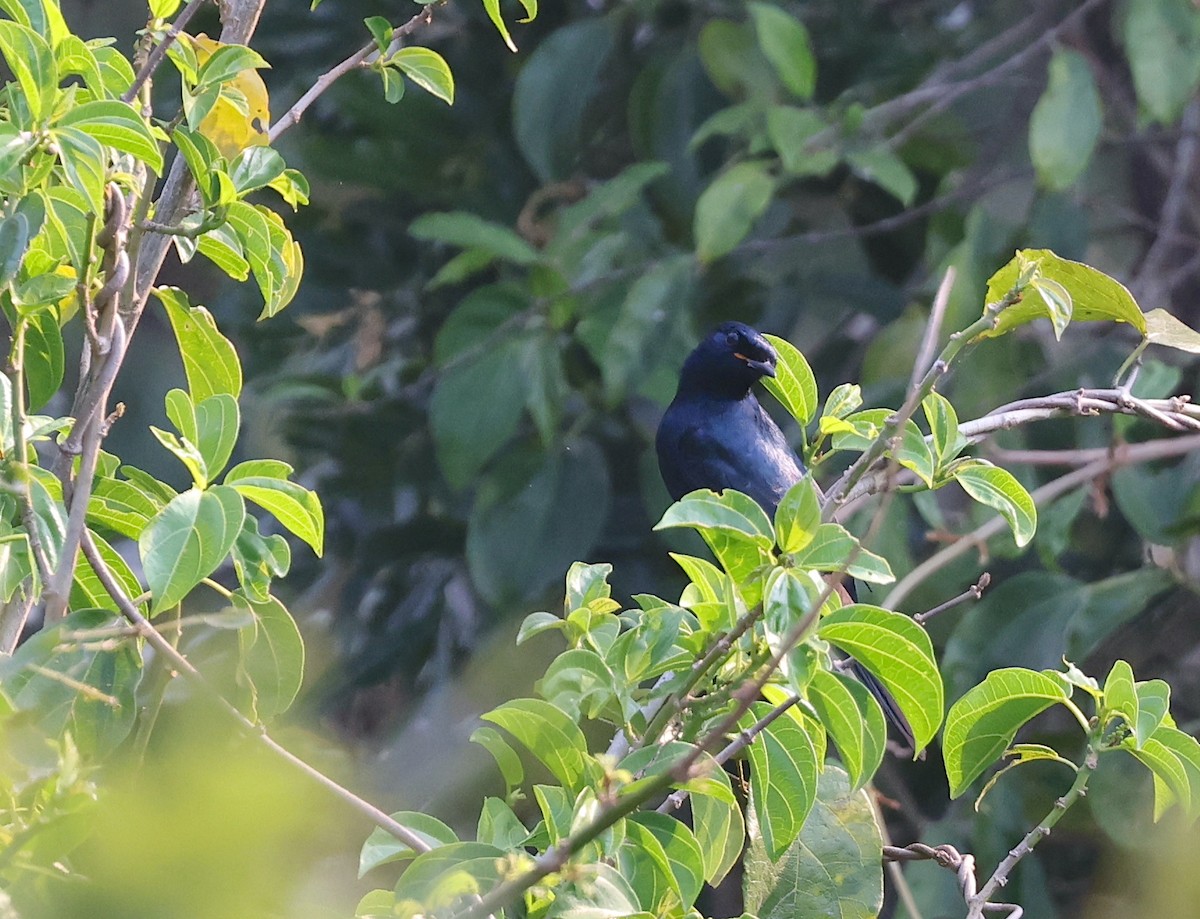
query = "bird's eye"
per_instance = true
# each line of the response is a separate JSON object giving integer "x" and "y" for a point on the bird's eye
{"x": 732, "y": 339}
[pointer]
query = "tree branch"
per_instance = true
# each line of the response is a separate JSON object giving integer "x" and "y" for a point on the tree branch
{"x": 252, "y": 729}
{"x": 155, "y": 58}
{"x": 360, "y": 57}
{"x": 1120, "y": 456}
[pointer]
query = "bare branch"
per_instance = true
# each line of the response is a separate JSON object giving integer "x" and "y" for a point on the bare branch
{"x": 182, "y": 665}
{"x": 974, "y": 592}
{"x": 1120, "y": 456}
{"x": 933, "y": 329}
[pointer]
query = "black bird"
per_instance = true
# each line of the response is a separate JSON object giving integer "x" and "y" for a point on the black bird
{"x": 716, "y": 435}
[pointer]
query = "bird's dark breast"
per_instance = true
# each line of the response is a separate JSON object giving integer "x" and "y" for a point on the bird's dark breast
{"x": 722, "y": 444}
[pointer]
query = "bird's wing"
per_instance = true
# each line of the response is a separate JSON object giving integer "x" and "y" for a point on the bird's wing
{"x": 710, "y": 461}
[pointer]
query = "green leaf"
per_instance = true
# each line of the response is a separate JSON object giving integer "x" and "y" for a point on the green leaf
{"x": 1095, "y": 297}
{"x": 579, "y": 682}
{"x": 225, "y": 64}
{"x": 833, "y": 549}
{"x": 1058, "y": 303}
{"x": 899, "y": 653}
{"x": 1066, "y": 122}
{"x": 549, "y": 734}
{"x": 493, "y": 10}
{"x": 552, "y": 92}
{"x": 798, "y": 516}
{"x": 255, "y": 167}
{"x": 783, "y": 778}
{"x": 853, "y": 719}
{"x": 644, "y": 317}
{"x": 382, "y": 847}
{"x": 294, "y": 506}
{"x": 998, "y": 488}
{"x": 186, "y": 452}
{"x": 116, "y": 124}
{"x": 884, "y": 168}
{"x": 84, "y": 161}
{"x": 428, "y": 70}
{"x": 93, "y": 700}
{"x": 684, "y": 856}
{"x": 201, "y": 155}
{"x": 187, "y": 540}
{"x": 162, "y": 9}
{"x": 14, "y": 240}
{"x": 209, "y": 358}
{"x": 536, "y": 623}
{"x": 913, "y": 453}
{"x": 832, "y": 869}
{"x": 1170, "y": 771}
{"x": 943, "y": 427}
{"x": 721, "y": 831}
{"x": 439, "y": 878}
{"x": 1186, "y": 750}
{"x": 643, "y": 864}
{"x": 44, "y": 358}
{"x": 258, "y": 559}
{"x": 271, "y": 659}
{"x": 1120, "y": 697}
{"x": 381, "y": 31}
{"x": 88, "y": 591}
{"x": 506, "y": 757}
{"x": 793, "y": 384}
{"x": 785, "y": 43}
{"x": 587, "y": 584}
{"x": 525, "y": 526}
{"x": 475, "y": 408}
{"x": 1154, "y": 702}
{"x": 729, "y": 208}
{"x": 222, "y": 247}
{"x": 981, "y": 725}
{"x": 1162, "y": 41}
{"x": 1164, "y": 329}
{"x": 470, "y": 231}
{"x": 731, "y": 511}
{"x": 500, "y": 826}
{"x": 791, "y": 129}
{"x": 32, "y": 62}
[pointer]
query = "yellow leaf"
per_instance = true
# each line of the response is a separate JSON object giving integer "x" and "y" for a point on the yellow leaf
{"x": 241, "y": 115}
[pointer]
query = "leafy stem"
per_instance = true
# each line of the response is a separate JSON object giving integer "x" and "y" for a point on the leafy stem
{"x": 978, "y": 903}
{"x": 957, "y": 345}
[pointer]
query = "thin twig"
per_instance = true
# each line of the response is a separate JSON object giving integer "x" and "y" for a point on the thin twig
{"x": 743, "y": 739}
{"x": 978, "y": 904}
{"x": 160, "y": 50}
{"x": 933, "y": 329}
{"x": 1170, "y": 219}
{"x": 91, "y": 426}
{"x": 252, "y": 729}
{"x": 974, "y": 592}
{"x": 956, "y": 347}
{"x": 1121, "y": 456}
{"x": 360, "y": 57}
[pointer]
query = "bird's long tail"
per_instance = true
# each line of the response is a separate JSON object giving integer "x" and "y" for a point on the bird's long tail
{"x": 890, "y": 709}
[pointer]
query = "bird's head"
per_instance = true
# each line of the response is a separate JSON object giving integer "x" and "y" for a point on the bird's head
{"x": 730, "y": 360}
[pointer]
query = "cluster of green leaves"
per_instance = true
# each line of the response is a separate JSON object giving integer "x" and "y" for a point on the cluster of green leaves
{"x": 668, "y": 677}
{"x": 69, "y": 142}
{"x": 1133, "y": 717}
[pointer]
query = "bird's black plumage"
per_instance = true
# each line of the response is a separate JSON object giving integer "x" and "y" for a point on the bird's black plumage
{"x": 716, "y": 435}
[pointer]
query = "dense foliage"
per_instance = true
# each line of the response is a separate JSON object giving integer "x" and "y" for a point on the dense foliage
{"x": 497, "y": 297}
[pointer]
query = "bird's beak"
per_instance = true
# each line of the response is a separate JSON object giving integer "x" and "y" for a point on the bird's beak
{"x": 766, "y": 368}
